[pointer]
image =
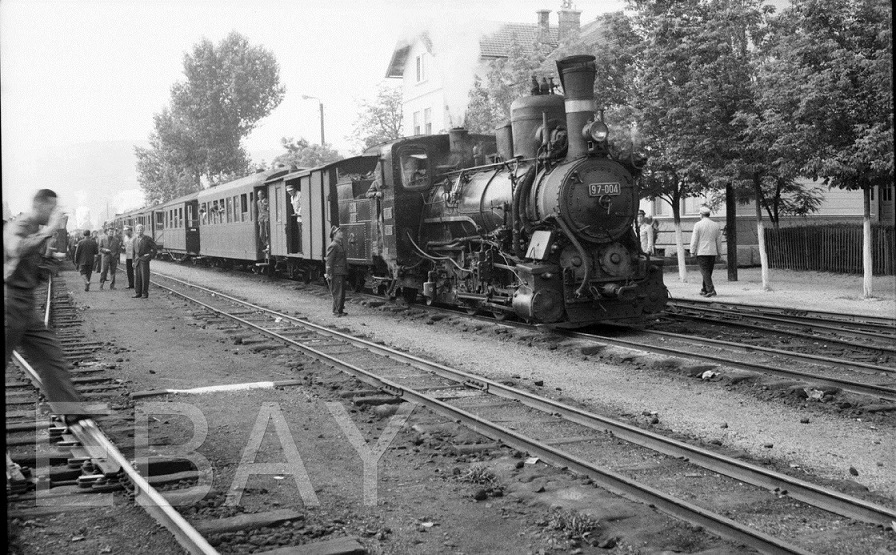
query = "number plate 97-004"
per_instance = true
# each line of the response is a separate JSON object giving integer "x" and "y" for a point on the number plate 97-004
{"x": 601, "y": 189}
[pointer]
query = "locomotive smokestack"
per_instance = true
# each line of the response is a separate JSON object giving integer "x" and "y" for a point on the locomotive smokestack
{"x": 577, "y": 77}
{"x": 461, "y": 147}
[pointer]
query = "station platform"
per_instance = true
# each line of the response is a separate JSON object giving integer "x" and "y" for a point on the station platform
{"x": 791, "y": 289}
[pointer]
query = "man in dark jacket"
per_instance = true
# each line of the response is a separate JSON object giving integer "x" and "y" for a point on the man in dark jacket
{"x": 84, "y": 256}
{"x": 23, "y": 243}
{"x": 110, "y": 251}
{"x": 144, "y": 251}
{"x": 337, "y": 270}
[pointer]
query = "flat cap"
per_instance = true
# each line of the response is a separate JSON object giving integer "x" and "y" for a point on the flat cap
{"x": 705, "y": 210}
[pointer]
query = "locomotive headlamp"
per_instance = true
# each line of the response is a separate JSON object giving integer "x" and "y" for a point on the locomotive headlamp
{"x": 596, "y": 131}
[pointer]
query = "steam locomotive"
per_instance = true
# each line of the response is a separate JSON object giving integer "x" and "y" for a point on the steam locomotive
{"x": 535, "y": 221}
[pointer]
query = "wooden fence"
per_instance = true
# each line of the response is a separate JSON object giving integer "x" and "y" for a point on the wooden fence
{"x": 830, "y": 248}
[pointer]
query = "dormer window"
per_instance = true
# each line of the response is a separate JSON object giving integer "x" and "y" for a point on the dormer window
{"x": 421, "y": 68}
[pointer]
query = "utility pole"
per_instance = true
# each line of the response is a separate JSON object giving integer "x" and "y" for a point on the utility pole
{"x": 308, "y": 97}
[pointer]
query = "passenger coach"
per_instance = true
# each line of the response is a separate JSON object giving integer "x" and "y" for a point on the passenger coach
{"x": 228, "y": 218}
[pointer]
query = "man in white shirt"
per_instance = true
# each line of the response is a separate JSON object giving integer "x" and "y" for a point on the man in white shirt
{"x": 706, "y": 245}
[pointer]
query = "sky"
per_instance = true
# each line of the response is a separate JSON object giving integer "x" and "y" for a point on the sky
{"x": 80, "y": 80}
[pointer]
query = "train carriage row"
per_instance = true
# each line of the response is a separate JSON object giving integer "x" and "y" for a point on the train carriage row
{"x": 533, "y": 221}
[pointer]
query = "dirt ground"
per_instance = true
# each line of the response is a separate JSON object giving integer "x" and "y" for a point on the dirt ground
{"x": 439, "y": 488}
{"x": 427, "y": 505}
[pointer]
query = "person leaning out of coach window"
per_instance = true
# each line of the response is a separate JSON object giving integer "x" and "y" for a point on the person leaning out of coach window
{"x": 706, "y": 245}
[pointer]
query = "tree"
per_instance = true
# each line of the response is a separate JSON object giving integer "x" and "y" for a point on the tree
{"x": 663, "y": 88}
{"x": 379, "y": 121}
{"x": 228, "y": 88}
{"x": 507, "y": 79}
{"x": 302, "y": 154}
{"x": 831, "y": 71}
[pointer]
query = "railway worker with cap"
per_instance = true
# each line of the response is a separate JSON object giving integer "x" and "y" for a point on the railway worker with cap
{"x": 128, "y": 243}
{"x": 706, "y": 245}
{"x": 84, "y": 256}
{"x": 110, "y": 251}
{"x": 144, "y": 251}
{"x": 336, "y": 270}
{"x": 23, "y": 243}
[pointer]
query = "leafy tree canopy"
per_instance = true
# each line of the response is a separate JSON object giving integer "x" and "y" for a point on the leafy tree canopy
{"x": 829, "y": 81}
{"x": 302, "y": 154}
{"x": 228, "y": 88}
{"x": 379, "y": 120}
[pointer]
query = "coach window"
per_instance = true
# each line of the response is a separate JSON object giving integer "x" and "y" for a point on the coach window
{"x": 414, "y": 164}
{"x": 252, "y": 207}
{"x": 160, "y": 220}
{"x": 244, "y": 208}
{"x": 229, "y": 210}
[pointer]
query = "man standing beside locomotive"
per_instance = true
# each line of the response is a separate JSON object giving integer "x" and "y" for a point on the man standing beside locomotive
{"x": 337, "y": 270}
{"x": 84, "y": 255}
{"x": 110, "y": 250}
{"x": 144, "y": 250}
{"x": 129, "y": 255}
{"x": 706, "y": 245}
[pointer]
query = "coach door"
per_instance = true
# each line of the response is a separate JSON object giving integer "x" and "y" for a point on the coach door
{"x": 192, "y": 225}
{"x": 277, "y": 205}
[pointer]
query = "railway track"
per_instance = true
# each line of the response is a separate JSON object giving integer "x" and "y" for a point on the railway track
{"x": 84, "y": 460}
{"x": 873, "y": 326}
{"x": 872, "y": 380}
{"x": 558, "y": 433}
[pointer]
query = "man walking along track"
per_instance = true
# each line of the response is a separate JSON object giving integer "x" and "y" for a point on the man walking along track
{"x": 706, "y": 245}
{"x": 23, "y": 243}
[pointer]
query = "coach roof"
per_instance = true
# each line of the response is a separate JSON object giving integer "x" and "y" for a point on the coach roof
{"x": 248, "y": 182}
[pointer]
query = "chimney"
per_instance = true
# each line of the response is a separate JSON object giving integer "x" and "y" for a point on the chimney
{"x": 544, "y": 26}
{"x": 577, "y": 77}
{"x": 569, "y": 23}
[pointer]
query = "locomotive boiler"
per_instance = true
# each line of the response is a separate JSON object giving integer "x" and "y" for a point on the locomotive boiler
{"x": 545, "y": 234}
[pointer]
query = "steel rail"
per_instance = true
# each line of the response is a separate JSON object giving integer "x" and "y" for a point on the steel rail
{"x": 801, "y": 490}
{"x": 862, "y": 389}
{"x": 745, "y": 308}
{"x": 689, "y": 313}
{"x": 612, "y": 481}
{"x": 816, "y": 325}
{"x": 773, "y": 351}
{"x": 88, "y": 434}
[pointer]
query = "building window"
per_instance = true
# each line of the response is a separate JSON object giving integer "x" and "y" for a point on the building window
{"x": 421, "y": 68}
{"x": 416, "y": 123}
{"x": 886, "y": 193}
{"x": 427, "y": 121}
